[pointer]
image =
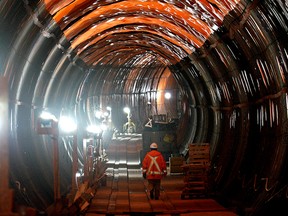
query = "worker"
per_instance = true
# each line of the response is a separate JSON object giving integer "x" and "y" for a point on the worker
{"x": 154, "y": 169}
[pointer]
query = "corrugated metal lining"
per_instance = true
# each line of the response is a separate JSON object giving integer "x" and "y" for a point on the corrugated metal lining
{"x": 171, "y": 30}
{"x": 229, "y": 68}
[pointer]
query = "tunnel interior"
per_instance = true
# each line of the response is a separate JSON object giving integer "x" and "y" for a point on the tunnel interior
{"x": 223, "y": 62}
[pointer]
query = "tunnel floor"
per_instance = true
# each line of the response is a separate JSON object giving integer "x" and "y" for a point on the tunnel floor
{"x": 126, "y": 196}
{"x": 125, "y": 191}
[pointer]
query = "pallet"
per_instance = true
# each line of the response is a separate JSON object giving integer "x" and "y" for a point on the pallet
{"x": 199, "y": 154}
{"x": 196, "y": 171}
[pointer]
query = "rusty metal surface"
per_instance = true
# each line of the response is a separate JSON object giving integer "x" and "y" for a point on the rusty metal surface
{"x": 99, "y": 30}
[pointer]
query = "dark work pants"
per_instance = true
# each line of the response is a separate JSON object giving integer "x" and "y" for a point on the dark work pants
{"x": 154, "y": 187}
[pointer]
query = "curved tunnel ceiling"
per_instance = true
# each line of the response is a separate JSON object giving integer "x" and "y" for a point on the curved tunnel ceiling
{"x": 227, "y": 61}
{"x": 101, "y": 31}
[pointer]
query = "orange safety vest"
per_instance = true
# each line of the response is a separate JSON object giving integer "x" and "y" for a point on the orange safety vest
{"x": 154, "y": 165}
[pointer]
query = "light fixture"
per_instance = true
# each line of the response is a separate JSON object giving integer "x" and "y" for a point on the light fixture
{"x": 47, "y": 123}
{"x": 47, "y": 116}
{"x": 94, "y": 129}
{"x": 67, "y": 124}
{"x": 167, "y": 95}
{"x": 126, "y": 110}
{"x": 98, "y": 114}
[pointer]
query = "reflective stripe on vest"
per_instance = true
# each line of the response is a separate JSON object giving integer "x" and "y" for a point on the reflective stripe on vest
{"x": 153, "y": 161}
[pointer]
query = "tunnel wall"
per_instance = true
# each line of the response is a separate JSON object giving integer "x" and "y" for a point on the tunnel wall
{"x": 235, "y": 85}
{"x": 239, "y": 92}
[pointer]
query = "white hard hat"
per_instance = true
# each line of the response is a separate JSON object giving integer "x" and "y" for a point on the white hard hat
{"x": 153, "y": 146}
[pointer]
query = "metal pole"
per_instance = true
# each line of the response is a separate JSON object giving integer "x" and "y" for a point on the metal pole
{"x": 74, "y": 163}
{"x": 85, "y": 158}
{"x": 56, "y": 168}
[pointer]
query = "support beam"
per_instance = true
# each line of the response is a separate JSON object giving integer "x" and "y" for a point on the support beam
{"x": 6, "y": 194}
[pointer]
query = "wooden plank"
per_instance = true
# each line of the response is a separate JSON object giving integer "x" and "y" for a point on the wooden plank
{"x": 199, "y": 154}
